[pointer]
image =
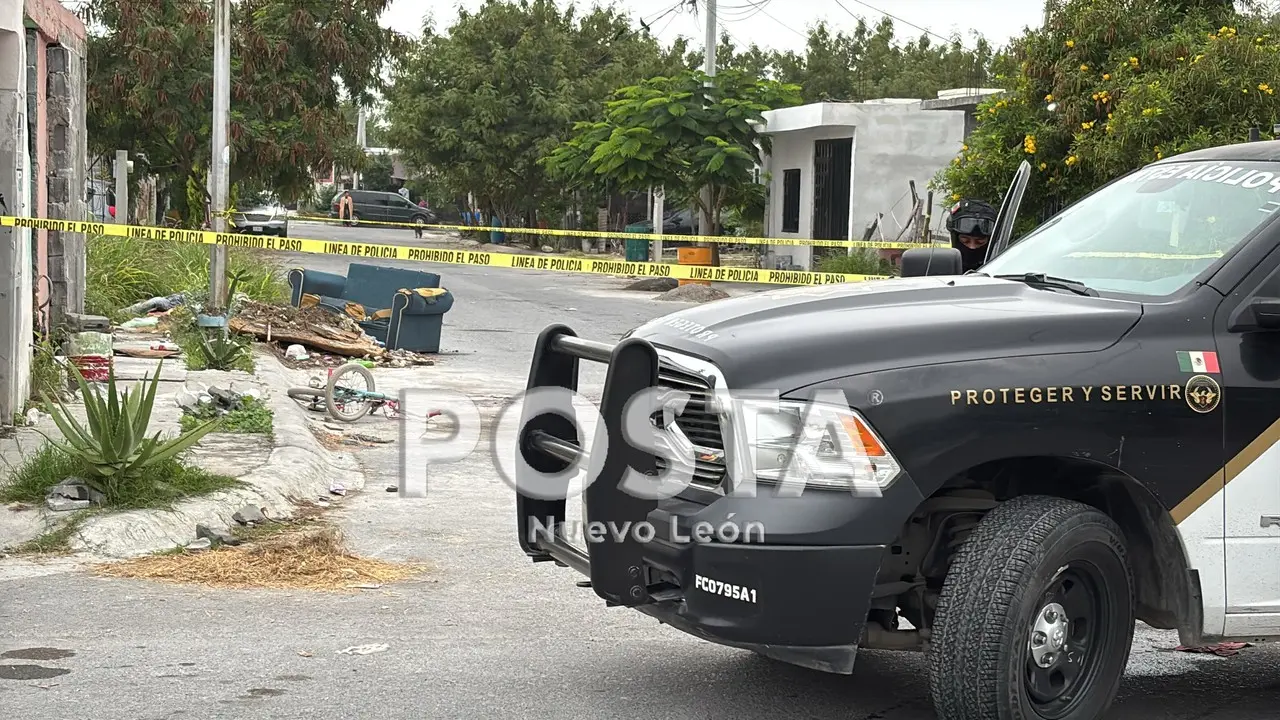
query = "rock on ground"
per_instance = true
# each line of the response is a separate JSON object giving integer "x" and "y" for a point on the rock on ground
{"x": 694, "y": 294}
{"x": 654, "y": 285}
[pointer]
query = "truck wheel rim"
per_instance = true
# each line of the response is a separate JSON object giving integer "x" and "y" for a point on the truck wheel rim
{"x": 1068, "y": 638}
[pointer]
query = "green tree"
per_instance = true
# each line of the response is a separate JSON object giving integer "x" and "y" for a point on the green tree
{"x": 682, "y": 133}
{"x": 871, "y": 62}
{"x": 151, "y": 79}
{"x": 481, "y": 105}
{"x": 1109, "y": 85}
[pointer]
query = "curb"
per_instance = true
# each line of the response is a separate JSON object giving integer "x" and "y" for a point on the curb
{"x": 299, "y": 467}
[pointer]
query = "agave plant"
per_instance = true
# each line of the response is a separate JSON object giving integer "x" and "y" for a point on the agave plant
{"x": 222, "y": 352}
{"x": 114, "y": 447}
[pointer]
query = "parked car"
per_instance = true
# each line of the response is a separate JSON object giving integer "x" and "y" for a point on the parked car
{"x": 376, "y": 206}
{"x": 269, "y": 218}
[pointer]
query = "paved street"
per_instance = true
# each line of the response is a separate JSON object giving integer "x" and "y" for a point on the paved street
{"x": 486, "y": 634}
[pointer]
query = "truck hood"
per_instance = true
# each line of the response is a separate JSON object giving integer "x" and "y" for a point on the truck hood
{"x": 790, "y": 338}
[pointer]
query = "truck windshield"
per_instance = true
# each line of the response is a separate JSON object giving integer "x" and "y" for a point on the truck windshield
{"x": 1152, "y": 232}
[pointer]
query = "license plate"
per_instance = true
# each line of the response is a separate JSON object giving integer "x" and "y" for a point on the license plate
{"x": 257, "y": 228}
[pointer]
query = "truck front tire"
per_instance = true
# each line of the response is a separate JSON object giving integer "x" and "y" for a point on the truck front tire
{"x": 1035, "y": 618}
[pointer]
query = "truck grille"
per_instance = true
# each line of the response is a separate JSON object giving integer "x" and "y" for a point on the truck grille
{"x": 700, "y": 424}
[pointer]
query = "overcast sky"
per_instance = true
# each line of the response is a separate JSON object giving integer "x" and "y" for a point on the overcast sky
{"x": 778, "y": 24}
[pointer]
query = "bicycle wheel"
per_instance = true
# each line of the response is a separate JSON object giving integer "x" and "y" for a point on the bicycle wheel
{"x": 348, "y": 404}
{"x": 309, "y": 398}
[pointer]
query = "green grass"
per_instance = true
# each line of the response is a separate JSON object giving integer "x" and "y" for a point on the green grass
{"x": 861, "y": 262}
{"x": 159, "y": 486}
{"x": 123, "y": 271}
{"x": 253, "y": 418}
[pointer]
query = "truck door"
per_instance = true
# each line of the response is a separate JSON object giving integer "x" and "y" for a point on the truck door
{"x": 1008, "y": 215}
{"x": 1247, "y": 364}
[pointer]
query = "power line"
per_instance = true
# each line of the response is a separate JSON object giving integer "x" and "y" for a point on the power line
{"x": 760, "y": 8}
{"x": 892, "y": 17}
{"x": 751, "y": 9}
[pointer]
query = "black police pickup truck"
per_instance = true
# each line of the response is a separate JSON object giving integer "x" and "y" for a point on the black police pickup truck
{"x": 1002, "y": 469}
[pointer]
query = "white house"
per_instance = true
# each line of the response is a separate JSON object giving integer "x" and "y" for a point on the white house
{"x": 834, "y": 167}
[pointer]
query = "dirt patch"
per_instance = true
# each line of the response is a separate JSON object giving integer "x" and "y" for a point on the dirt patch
{"x": 330, "y": 441}
{"x": 311, "y": 559}
{"x": 694, "y": 294}
{"x": 653, "y": 285}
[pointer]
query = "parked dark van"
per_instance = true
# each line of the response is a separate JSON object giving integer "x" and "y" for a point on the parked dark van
{"x": 375, "y": 206}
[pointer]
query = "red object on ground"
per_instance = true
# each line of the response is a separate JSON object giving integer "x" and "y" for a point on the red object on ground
{"x": 1223, "y": 649}
{"x": 94, "y": 368}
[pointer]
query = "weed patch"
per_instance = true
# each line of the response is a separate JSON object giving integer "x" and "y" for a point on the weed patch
{"x": 158, "y": 486}
{"x": 122, "y": 271}
{"x": 251, "y": 417}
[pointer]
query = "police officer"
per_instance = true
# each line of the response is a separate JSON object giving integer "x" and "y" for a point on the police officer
{"x": 971, "y": 223}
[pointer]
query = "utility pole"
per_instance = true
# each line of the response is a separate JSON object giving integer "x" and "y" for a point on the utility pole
{"x": 360, "y": 140}
{"x": 122, "y": 187}
{"x": 220, "y": 168}
{"x": 709, "y": 67}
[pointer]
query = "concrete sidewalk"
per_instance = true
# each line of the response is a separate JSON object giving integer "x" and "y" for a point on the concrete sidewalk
{"x": 288, "y": 466}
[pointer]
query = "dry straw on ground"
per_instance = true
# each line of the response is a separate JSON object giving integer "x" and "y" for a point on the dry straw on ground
{"x": 312, "y": 559}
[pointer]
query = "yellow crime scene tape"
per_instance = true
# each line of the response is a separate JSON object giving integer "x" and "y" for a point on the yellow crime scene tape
{"x": 367, "y": 251}
{"x": 611, "y": 235}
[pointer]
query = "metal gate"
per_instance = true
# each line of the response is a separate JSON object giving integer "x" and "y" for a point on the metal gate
{"x": 832, "y": 162}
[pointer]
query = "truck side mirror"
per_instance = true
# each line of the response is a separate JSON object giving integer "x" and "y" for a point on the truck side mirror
{"x": 1266, "y": 312}
{"x": 919, "y": 262}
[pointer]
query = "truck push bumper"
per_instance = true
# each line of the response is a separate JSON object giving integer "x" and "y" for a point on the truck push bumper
{"x": 798, "y": 603}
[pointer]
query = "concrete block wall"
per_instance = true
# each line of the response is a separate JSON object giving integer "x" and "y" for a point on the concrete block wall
{"x": 65, "y": 178}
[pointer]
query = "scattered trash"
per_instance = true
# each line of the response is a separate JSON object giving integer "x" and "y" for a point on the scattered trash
{"x": 249, "y": 515}
{"x": 322, "y": 502}
{"x": 1222, "y": 649}
{"x": 313, "y": 327}
{"x": 199, "y": 544}
{"x": 140, "y": 323}
{"x": 33, "y": 416}
{"x": 337, "y": 489}
{"x": 364, "y": 650}
{"x": 393, "y": 488}
{"x": 366, "y": 586}
{"x": 304, "y": 653}
{"x": 296, "y": 352}
{"x": 213, "y": 401}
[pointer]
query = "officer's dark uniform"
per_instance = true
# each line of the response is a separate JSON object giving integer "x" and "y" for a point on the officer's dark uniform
{"x": 971, "y": 223}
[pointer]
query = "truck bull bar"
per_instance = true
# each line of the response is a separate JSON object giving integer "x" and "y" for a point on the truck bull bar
{"x": 548, "y": 443}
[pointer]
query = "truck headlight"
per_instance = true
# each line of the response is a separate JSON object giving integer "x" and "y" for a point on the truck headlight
{"x": 814, "y": 445}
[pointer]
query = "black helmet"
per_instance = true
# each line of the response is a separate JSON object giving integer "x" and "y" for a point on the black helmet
{"x": 972, "y": 218}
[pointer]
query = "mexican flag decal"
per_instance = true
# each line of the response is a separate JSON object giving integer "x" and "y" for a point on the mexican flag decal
{"x": 1198, "y": 361}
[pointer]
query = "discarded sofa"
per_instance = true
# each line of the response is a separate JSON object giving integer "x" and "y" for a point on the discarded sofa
{"x": 402, "y": 309}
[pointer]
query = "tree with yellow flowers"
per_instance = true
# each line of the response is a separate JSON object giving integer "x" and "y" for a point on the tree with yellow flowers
{"x": 1109, "y": 85}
